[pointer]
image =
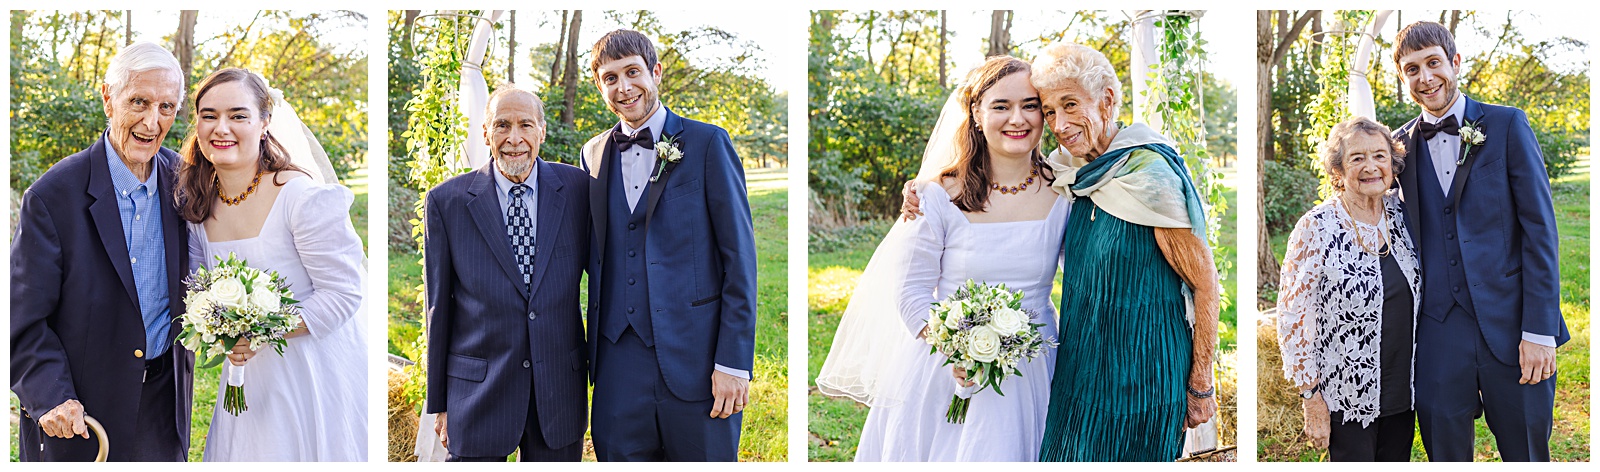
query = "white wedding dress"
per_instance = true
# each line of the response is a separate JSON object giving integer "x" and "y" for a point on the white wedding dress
{"x": 309, "y": 404}
{"x": 948, "y": 250}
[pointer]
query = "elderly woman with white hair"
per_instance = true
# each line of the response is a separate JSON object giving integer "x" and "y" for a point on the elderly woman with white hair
{"x": 1139, "y": 297}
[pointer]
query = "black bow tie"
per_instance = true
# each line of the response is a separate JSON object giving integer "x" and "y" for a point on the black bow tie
{"x": 1448, "y": 126}
{"x": 641, "y": 138}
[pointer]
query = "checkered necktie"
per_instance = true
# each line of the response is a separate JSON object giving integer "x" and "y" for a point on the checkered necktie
{"x": 519, "y": 227}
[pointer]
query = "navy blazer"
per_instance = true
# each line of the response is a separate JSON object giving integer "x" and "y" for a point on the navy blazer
{"x": 489, "y": 337}
{"x": 75, "y": 319}
{"x": 1507, "y": 226}
{"x": 701, "y": 254}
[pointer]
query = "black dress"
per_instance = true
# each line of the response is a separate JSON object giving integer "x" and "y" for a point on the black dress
{"x": 1388, "y": 439}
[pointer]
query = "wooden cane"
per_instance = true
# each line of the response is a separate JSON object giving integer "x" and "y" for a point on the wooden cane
{"x": 99, "y": 435}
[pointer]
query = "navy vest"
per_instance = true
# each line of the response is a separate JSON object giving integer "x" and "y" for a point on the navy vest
{"x": 623, "y": 267}
{"x": 1444, "y": 276}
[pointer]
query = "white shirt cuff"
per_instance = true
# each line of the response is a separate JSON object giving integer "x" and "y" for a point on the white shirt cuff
{"x": 1540, "y": 339}
{"x": 743, "y": 374}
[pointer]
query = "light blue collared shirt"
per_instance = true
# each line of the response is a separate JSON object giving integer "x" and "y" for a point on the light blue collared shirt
{"x": 529, "y": 198}
{"x": 139, "y": 205}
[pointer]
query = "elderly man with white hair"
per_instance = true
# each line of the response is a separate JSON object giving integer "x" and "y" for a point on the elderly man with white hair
{"x": 96, "y": 277}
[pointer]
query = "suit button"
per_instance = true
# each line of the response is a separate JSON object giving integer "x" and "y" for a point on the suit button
{"x": 630, "y": 253}
{"x": 630, "y": 309}
{"x": 526, "y": 363}
{"x": 630, "y": 281}
{"x": 630, "y": 225}
{"x": 1450, "y": 236}
{"x": 139, "y": 353}
{"x": 532, "y": 315}
{"x": 1452, "y": 263}
{"x": 1447, "y": 210}
{"x": 1456, "y": 289}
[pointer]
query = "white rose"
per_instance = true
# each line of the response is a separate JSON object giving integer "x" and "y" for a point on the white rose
{"x": 198, "y": 304}
{"x": 229, "y": 292}
{"x": 1008, "y": 322}
{"x": 267, "y": 300}
{"x": 983, "y": 344}
{"x": 952, "y": 319}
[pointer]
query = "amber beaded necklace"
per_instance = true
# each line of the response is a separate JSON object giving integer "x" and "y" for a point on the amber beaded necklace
{"x": 239, "y": 199}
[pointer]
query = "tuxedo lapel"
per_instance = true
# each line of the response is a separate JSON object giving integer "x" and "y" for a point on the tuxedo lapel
{"x": 599, "y": 153}
{"x": 1474, "y": 115}
{"x": 107, "y": 218}
{"x": 1410, "y": 184}
{"x": 552, "y": 204}
{"x": 485, "y": 209}
{"x": 673, "y": 129}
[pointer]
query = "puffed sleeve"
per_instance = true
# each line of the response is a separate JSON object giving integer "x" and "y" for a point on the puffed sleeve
{"x": 331, "y": 252}
{"x": 923, "y": 265}
{"x": 1298, "y": 304}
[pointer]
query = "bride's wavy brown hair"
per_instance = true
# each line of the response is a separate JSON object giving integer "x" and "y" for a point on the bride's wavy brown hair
{"x": 971, "y": 165}
{"x": 197, "y": 188}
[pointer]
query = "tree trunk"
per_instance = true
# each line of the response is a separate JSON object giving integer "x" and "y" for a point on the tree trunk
{"x": 183, "y": 42}
{"x": 511, "y": 50}
{"x": 1455, "y": 19}
{"x": 999, "y": 33}
{"x": 1266, "y": 258}
{"x": 569, "y": 78}
{"x": 127, "y": 27}
{"x": 410, "y": 47}
{"x": 561, "y": 45}
{"x": 944, "y": 41}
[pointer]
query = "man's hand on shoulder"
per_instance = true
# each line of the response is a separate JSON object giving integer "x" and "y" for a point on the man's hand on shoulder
{"x": 730, "y": 394}
{"x": 64, "y": 421}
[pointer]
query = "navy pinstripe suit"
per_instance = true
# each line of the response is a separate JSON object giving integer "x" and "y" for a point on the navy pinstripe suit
{"x": 499, "y": 353}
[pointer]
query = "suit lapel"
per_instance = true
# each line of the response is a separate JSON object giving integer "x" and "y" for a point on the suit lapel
{"x": 598, "y": 154}
{"x": 552, "y": 204}
{"x": 1474, "y": 115}
{"x": 107, "y": 218}
{"x": 485, "y": 209}
{"x": 177, "y": 239}
{"x": 1410, "y": 184}
{"x": 673, "y": 128}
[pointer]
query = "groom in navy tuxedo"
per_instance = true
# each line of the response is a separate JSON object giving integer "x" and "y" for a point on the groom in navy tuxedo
{"x": 506, "y": 247}
{"x": 97, "y": 265}
{"x": 672, "y": 277}
{"x": 1478, "y": 204}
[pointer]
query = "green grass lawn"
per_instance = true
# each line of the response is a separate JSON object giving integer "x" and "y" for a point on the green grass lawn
{"x": 765, "y": 434}
{"x": 1279, "y": 418}
{"x": 836, "y": 261}
{"x": 206, "y": 380}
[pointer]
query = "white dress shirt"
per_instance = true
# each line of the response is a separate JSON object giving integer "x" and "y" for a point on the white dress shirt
{"x": 1444, "y": 149}
{"x": 638, "y": 162}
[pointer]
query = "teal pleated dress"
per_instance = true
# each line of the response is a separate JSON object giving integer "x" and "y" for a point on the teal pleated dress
{"x": 1118, "y": 392}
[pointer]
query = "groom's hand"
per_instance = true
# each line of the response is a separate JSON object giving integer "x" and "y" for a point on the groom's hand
{"x": 65, "y": 421}
{"x": 1538, "y": 362}
{"x": 730, "y": 394}
{"x": 910, "y": 206}
{"x": 440, "y": 429}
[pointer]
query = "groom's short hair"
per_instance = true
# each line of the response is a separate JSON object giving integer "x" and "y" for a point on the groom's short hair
{"x": 619, "y": 44}
{"x": 1422, "y": 35}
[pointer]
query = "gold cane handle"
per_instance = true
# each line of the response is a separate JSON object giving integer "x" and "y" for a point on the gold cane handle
{"x": 99, "y": 435}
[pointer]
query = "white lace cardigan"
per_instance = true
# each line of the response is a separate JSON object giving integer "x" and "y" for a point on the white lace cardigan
{"x": 1330, "y": 303}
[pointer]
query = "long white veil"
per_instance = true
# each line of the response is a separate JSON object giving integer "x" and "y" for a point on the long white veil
{"x": 872, "y": 337}
{"x": 297, "y": 139}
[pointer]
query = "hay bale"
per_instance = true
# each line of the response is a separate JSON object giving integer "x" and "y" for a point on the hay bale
{"x": 1279, "y": 415}
{"x": 402, "y": 420}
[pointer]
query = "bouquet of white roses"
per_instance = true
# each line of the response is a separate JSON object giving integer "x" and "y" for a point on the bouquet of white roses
{"x": 233, "y": 301}
{"x": 984, "y": 330}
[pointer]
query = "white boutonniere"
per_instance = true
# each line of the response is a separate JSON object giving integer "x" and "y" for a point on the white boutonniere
{"x": 1471, "y": 135}
{"x": 667, "y": 151}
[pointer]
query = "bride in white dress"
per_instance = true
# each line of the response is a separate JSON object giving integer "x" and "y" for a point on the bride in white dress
{"x": 242, "y": 194}
{"x": 988, "y": 215}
